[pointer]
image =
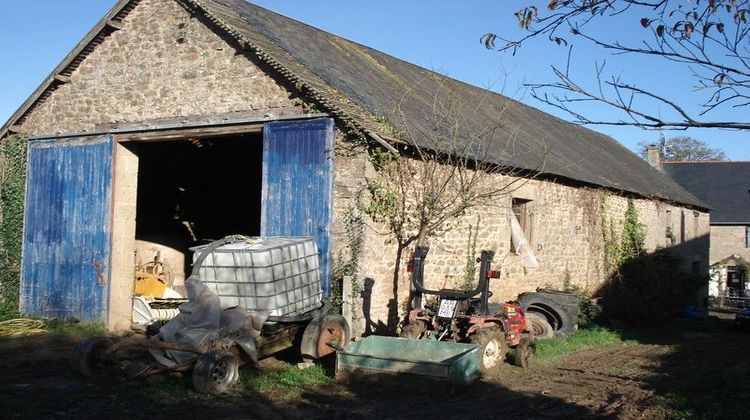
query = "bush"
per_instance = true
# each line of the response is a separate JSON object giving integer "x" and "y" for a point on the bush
{"x": 647, "y": 287}
{"x": 12, "y": 187}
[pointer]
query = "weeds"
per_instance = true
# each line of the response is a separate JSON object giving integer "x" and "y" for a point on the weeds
{"x": 290, "y": 379}
{"x": 587, "y": 337}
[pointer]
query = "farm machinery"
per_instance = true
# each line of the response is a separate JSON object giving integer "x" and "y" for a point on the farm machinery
{"x": 228, "y": 320}
{"x": 468, "y": 316}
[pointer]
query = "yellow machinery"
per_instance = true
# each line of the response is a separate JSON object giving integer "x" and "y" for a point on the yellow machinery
{"x": 154, "y": 299}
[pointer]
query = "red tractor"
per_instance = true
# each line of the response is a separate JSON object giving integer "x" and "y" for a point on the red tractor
{"x": 461, "y": 316}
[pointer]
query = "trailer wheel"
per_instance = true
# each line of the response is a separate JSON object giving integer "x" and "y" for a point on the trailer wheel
{"x": 215, "y": 372}
{"x": 413, "y": 331}
{"x": 492, "y": 349}
{"x": 89, "y": 357}
{"x": 538, "y": 326}
{"x": 331, "y": 328}
{"x": 525, "y": 351}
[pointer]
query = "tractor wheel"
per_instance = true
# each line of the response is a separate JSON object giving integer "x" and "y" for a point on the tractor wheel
{"x": 525, "y": 351}
{"x": 215, "y": 372}
{"x": 319, "y": 333}
{"x": 89, "y": 357}
{"x": 561, "y": 320}
{"x": 413, "y": 331}
{"x": 492, "y": 349}
{"x": 538, "y": 326}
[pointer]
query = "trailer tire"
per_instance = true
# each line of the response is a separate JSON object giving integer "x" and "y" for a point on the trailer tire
{"x": 525, "y": 351}
{"x": 331, "y": 328}
{"x": 413, "y": 331}
{"x": 492, "y": 349}
{"x": 88, "y": 357}
{"x": 538, "y": 326}
{"x": 215, "y": 372}
{"x": 561, "y": 320}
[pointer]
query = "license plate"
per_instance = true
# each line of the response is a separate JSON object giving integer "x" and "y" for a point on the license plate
{"x": 447, "y": 308}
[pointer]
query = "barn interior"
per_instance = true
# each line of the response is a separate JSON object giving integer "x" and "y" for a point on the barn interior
{"x": 193, "y": 191}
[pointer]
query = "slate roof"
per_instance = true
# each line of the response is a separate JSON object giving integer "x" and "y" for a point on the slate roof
{"x": 724, "y": 186}
{"x": 371, "y": 92}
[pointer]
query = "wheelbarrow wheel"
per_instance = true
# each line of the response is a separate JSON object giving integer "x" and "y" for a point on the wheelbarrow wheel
{"x": 492, "y": 349}
{"x": 215, "y": 372}
{"x": 89, "y": 357}
{"x": 322, "y": 335}
{"x": 525, "y": 351}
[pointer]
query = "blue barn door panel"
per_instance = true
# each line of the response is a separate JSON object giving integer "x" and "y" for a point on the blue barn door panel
{"x": 298, "y": 184}
{"x": 66, "y": 239}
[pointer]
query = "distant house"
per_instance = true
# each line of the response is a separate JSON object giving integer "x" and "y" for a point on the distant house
{"x": 725, "y": 187}
{"x": 177, "y": 121}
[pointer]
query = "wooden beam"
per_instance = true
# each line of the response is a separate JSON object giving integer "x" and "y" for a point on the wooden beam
{"x": 62, "y": 78}
{"x": 195, "y": 133}
{"x": 114, "y": 25}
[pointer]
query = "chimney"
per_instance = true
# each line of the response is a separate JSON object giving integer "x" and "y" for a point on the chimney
{"x": 653, "y": 156}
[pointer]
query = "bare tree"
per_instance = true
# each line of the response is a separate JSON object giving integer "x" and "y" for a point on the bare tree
{"x": 682, "y": 148}
{"x": 445, "y": 167}
{"x": 711, "y": 37}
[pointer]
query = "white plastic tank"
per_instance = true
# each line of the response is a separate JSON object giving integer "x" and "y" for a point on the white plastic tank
{"x": 276, "y": 274}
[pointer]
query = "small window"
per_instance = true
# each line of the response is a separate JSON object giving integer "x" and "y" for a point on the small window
{"x": 682, "y": 226}
{"x": 747, "y": 236}
{"x": 520, "y": 210}
{"x": 696, "y": 268}
{"x": 669, "y": 234}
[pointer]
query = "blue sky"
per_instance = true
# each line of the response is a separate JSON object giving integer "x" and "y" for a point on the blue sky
{"x": 440, "y": 35}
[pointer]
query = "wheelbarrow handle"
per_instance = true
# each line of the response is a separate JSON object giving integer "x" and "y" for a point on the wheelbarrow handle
{"x": 336, "y": 347}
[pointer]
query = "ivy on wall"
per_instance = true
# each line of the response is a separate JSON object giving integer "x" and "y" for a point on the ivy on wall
{"x": 12, "y": 188}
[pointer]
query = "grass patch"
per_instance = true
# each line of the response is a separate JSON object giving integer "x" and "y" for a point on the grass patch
{"x": 587, "y": 337}
{"x": 722, "y": 395}
{"x": 289, "y": 378}
{"x": 71, "y": 329}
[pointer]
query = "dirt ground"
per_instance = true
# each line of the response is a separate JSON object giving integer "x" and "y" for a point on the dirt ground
{"x": 623, "y": 381}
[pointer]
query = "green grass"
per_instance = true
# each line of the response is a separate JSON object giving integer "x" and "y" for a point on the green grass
{"x": 722, "y": 395}
{"x": 66, "y": 328}
{"x": 586, "y": 337}
{"x": 289, "y": 378}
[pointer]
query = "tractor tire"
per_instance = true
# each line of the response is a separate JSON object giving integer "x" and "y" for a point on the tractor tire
{"x": 413, "y": 331}
{"x": 492, "y": 349}
{"x": 89, "y": 357}
{"x": 556, "y": 314}
{"x": 570, "y": 301}
{"x": 215, "y": 372}
{"x": 525, "y": 351}
{"x": 538, "y": 326}
{"x": 320, "y": 332}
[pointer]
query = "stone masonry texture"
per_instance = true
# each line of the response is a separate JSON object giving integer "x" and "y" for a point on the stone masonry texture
{"x": 143, "y": 72}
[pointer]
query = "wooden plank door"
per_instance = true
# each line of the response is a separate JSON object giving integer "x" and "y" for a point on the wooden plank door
{"x": 298, "y": 184}
{"x": 66, "y": 239}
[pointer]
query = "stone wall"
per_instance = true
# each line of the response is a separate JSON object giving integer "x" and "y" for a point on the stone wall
{"x": 143, "y": 72}
{"x": 728, "y": 240}
{"x": 565, "y": 234}
{"x": 165, "y": 64}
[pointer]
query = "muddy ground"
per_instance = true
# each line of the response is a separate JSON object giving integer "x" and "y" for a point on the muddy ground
{"x": 638, "y": 380}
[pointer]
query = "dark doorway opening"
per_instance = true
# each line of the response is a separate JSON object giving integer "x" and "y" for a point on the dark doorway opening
{"x": 193, "y": 191}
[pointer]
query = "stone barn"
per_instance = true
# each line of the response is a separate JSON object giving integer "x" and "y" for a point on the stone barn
{"x": 174, "y": 122}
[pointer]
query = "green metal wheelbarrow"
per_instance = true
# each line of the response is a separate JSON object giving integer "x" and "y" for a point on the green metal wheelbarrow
{"x": 457, "y": 363}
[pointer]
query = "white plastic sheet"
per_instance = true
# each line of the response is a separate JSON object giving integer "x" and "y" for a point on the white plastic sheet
{"x": 521, "y": 245}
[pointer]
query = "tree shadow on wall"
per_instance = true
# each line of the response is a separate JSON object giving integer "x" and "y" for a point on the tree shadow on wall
{"x": 649, "y": 287}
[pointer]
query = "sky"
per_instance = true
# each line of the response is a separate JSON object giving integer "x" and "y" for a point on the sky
{"x": 440, "y": 35}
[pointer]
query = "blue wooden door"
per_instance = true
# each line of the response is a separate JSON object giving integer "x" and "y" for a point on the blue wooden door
{"x": 66, "y": 239}
{"x": 298, "y": 184}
